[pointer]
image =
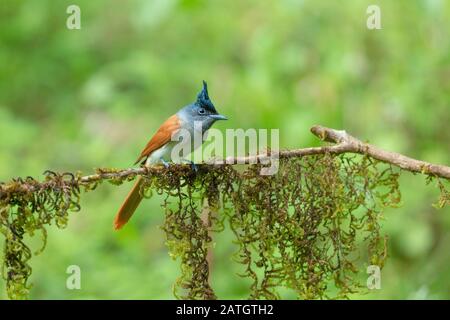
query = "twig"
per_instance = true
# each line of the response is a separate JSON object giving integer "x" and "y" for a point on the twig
{"x": 349, "y": 143}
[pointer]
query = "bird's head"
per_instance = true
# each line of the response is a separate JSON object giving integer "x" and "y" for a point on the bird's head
{"x": 203, "y": 109}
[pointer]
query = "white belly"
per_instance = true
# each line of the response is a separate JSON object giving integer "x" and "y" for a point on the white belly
{"x": 163, "y": 153}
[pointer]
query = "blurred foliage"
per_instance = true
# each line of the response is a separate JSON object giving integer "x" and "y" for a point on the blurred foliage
{"x": 77, "y": 99}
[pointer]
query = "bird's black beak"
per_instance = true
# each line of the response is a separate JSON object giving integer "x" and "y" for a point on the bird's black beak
{"x": 218, "y": 117}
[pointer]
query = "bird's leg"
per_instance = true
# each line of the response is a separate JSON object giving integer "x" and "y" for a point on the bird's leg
{"x": 165, "y": 163}
{"x": 194, "y": 167}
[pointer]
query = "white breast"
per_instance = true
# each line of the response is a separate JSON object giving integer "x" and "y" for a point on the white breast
{"x": 161, "y": 153}
{"x": 165, "y": 152}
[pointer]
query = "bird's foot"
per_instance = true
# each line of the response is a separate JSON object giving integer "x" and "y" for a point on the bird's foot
{"x": 194, "y": 167}
{"x": 165, "y": 163}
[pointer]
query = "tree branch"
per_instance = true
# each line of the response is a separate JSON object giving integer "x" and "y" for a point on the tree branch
{"x": 351, "y": 144}
{"x": 344, "y": 143}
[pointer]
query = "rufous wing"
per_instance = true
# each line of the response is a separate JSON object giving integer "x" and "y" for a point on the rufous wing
{"x": 161, "y": 137}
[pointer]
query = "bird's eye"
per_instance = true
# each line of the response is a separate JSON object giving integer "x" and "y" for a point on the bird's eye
{"x": 201, "y": 111}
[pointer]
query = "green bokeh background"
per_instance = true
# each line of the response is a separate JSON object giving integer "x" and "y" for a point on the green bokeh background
{"x": 79, "y": 99}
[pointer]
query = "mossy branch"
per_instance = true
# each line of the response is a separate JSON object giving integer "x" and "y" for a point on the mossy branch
{"x": 302, "y": 227}
{"x": 344, "y": 143}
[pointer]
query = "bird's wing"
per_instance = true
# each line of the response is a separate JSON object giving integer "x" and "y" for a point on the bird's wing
{"x": 161, "y": 137}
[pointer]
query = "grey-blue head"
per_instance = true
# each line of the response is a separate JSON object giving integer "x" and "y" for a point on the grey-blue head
{"x": 202, "y": 110}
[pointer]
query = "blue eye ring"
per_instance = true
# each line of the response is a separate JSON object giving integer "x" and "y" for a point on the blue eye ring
{"x": 201, "y": 111}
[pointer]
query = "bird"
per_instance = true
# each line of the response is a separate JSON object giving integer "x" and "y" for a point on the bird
{"x": 158, "y": 150}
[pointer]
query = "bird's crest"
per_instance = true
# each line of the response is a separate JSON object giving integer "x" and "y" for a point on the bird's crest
{"x": 203, "y": 98}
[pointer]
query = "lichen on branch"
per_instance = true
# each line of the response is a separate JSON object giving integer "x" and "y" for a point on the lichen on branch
{"x": 311, "y": 227}
{"x": 302, "y": 227}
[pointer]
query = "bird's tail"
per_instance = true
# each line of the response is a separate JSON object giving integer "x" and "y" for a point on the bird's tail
{"x": 129, "y": 205}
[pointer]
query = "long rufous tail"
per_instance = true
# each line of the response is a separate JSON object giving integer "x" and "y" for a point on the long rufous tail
{"x": 129, "y": 205}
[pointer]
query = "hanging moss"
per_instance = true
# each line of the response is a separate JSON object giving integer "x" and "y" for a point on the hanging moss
{"x": 301, "y": 228}
{"x": 27, "y": 210}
